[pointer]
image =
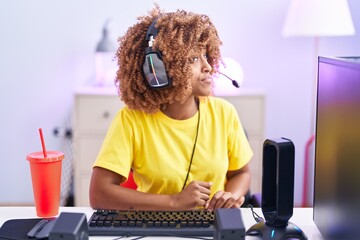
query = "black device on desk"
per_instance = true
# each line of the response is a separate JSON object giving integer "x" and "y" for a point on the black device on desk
{"x": 69, "y": 226}
{"x": 151, "y": 223}
{"x": 277, "y": 192}
{"x": 337, "y": 148}
{"x": 223, "y": 224}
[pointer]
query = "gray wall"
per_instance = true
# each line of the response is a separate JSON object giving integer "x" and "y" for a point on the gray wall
{"x": 47, "y": 51}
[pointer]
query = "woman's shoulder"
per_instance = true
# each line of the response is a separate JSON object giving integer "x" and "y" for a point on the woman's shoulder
{"x": 130, "y": 114}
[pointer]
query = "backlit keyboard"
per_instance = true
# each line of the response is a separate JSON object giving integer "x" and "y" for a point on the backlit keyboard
{"x": 151, "y": 223}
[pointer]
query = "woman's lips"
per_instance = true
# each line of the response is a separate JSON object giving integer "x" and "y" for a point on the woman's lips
{"x": 207, "y": 80}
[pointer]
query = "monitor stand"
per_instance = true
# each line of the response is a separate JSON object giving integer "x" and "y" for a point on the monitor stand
{"x": 264, "y": 231}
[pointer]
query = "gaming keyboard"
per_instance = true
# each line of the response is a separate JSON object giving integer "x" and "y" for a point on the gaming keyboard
{"x": 151, "y": 223}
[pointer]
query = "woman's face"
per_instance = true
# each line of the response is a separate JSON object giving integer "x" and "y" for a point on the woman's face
{"x": 202, "y": 80}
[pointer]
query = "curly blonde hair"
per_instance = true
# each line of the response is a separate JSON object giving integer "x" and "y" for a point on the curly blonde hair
{"x": 181, "y": 36}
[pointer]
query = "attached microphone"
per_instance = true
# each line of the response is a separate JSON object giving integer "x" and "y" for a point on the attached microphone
{"x": 234, "y": 82}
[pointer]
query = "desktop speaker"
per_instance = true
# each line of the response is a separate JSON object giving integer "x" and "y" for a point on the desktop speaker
{"x": 228, "y": 224}
{"x": 277, "y": 199}
{"x": 70, "y": 226}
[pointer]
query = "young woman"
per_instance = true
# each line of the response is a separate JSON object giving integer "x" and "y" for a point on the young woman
{"x": 186, "y": 149}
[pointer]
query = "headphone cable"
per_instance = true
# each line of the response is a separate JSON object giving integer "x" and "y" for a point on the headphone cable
{"x": 193, "y": 151}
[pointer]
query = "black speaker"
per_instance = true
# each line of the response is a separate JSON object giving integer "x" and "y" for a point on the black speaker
{"x": 277, "y": 192}
{"x": 70, "y": 226}
{"x": 153, "y": 67}
{"x": 228, "y": 224}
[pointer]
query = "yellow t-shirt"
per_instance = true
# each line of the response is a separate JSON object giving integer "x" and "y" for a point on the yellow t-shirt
{"x": 159, "y": 148}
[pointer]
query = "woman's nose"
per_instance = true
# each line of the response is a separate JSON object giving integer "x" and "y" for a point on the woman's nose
{"x": 206, "y": 67}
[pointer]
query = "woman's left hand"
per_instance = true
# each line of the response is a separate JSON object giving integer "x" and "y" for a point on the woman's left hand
{"x": 223, "y": 199}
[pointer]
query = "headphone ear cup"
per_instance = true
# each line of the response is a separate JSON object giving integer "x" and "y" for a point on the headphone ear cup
{"x": 154, "y": 70}
{"x": 153, "y": 67}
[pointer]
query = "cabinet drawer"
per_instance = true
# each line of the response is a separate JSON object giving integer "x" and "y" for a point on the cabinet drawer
{"x": 94, "y": 114}
{"x": 256, "y": 163}
{"x": 87, "y": 150}
{"x": 250, "y": 110}
{"x": 82, "y": 187}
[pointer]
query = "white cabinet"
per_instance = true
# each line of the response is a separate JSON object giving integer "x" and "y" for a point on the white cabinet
{"x": 94, "y": 109}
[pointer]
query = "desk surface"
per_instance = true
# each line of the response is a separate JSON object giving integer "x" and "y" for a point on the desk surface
{"x": 302, "y": 217}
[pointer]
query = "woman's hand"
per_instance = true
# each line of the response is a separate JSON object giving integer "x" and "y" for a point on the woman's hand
{"x": 237, "y": 185}
{"x": 223, "y": 199}
{"x": 196, "y": 194}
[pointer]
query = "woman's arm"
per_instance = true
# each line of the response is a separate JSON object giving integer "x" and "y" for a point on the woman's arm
{"x": 238, "y": 181}
{"x": 238, "y": 184}
{"x": 106, "y": 193}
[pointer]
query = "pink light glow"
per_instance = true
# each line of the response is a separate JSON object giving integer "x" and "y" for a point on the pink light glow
{"x": 105, "y": 68}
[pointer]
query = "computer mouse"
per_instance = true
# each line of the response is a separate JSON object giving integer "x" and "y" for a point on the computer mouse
{"x": 41, "y": 229}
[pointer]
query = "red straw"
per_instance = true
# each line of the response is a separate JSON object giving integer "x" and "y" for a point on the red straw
{"x": 42, "y": 142}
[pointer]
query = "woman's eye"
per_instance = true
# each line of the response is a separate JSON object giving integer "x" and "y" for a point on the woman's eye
{"x": 194, "y": 59}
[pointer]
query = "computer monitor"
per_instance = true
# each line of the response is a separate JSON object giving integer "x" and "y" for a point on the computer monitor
{"x": 337, "y": 148}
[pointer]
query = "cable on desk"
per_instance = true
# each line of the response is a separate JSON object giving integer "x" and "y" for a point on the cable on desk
{"x": 255, "y": 215}
{"x": 127, "y": 236}
{"x": 141, "y": 237}
{"x": 123, "y": 236}
{"x": 138, "y": 238}
{"x": 190, "y": 237}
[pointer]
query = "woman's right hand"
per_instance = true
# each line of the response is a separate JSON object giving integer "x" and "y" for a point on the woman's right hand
{"x": 195, "y": 194}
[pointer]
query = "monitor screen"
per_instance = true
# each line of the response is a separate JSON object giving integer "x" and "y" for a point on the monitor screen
{"x": 337, "y": 148}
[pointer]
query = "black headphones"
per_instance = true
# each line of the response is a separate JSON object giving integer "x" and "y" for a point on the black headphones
{"x": 153, "y": 67}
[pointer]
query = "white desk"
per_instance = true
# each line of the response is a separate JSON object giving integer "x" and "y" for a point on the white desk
{"x": 302, "y": 217}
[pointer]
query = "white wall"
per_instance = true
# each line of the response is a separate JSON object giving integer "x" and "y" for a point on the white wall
{"x": 47, "y": 51}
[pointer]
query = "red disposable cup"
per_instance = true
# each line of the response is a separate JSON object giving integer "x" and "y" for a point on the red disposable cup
{"x": 46, "y": 181}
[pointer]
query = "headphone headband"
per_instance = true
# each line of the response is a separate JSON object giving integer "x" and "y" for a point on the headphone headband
{"x": 152, "y": 30}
